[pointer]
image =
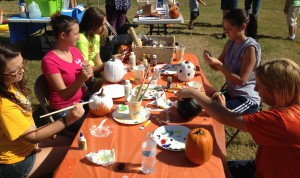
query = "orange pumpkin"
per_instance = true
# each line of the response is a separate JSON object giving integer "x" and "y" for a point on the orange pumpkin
{"x": 174, "y": 11}
{"x": 199, "y": 145}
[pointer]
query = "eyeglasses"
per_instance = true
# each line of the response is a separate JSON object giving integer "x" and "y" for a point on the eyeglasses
{"x": 15, "y": 74}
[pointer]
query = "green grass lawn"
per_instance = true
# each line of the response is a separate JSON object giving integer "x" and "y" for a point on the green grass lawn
{"x": 272, "y": 32}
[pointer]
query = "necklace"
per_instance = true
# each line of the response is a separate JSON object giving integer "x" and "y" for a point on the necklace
{"x": 25, "y": 101}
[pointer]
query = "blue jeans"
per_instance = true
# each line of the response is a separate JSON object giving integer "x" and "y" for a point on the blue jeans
{"x": 242, "y": 168}
{"x": 255, "y": 6}
{"x": 20, "y": 169}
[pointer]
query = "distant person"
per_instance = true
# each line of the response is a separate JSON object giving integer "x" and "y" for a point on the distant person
{"x": 237, "y": 62}
{"x": 195, "y": 11}
{"x": 276, "y": 130}
{"x": 27, "y": 151}
{"x": 65, "y": 70}
{"x": 255, "y": 6}
{"x": 292, "y": 11}
{"x": 227, "y": 6}
{"x": 116, "y": 11}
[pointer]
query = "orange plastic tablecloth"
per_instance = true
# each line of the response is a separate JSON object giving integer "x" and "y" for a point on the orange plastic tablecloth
{"x": 126, "y": 140}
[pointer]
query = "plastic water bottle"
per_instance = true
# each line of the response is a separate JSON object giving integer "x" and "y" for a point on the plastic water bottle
{"x": 148, "y": 154}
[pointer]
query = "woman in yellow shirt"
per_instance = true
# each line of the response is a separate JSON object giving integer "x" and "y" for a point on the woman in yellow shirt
{"x": 19, "y": 154}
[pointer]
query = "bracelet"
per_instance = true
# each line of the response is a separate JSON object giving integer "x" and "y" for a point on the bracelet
{"x": 65, "y": 121}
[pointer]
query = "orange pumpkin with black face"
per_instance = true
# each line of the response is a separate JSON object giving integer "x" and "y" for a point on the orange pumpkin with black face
{"x": 199, "y": 145}
{"x": 174, "y": 11}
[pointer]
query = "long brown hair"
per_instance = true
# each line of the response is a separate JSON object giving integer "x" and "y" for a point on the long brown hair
{"x": 92, "y": 19}
{"x": 8, "y": 52}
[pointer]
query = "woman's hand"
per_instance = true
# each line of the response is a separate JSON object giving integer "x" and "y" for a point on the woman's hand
{"x": 119, "y": 56}
{"x": 220, "y": 98}
{"x": 87, "y": 71}
{"x": 186, "y": 93}
{"x": 75, "y": 113}
{"x": 213, "y": 62}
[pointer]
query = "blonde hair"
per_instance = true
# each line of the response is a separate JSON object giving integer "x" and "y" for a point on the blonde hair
{"x": 281, "y": 75}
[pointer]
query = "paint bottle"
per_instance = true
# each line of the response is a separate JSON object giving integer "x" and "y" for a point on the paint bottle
{"x": 82, "y": 142}
{"x": 127, "y": 88}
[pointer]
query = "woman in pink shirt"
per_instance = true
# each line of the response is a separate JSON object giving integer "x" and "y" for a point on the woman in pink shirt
{"x": 65, "y": 69}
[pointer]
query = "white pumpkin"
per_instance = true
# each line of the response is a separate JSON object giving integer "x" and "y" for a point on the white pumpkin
{"x": 186, "y": 71}
{"x": 102, "y": 104}
{"x": 114, "y": 70}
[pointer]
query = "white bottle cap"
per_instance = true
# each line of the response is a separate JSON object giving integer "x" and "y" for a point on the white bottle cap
{"x": 131, "y": 53}
{"x": 127, "y": 81}
{"x": 154, "y": 55}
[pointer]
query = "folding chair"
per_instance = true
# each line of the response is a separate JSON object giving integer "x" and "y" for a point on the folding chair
{"x": 42, "y": 93}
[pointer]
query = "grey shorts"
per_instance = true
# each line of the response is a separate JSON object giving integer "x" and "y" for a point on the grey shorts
{"x": 20, "y": 169}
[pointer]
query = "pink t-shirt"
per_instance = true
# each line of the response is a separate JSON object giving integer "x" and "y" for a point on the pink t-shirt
{"x": 52, "y": 64}
{"x": 277, "y": 132}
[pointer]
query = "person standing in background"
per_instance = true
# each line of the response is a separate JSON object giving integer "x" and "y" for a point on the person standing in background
{"x": 227, "y": 6}
{"x": 116, "y": 11}
{"x": 292, "y": 11}
{"x": 195, "y": 11}
{"x": 255, "y": 6}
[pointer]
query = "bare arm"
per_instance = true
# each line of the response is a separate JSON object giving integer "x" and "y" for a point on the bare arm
{"x": 214, "y": 109}
{"x": 35, "y": 135}
{"x": 65, "y": 92}
{"x": 248, "y": 63}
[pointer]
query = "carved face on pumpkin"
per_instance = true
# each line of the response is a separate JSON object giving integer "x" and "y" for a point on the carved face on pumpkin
{"x": 186, "y": 71}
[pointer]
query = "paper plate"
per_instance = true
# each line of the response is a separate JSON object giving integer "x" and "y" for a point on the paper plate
{"x": 114, "y": 90}
{"x": 150, "y": 94}
{"x": 168, "y": 69}
{"x": 123, "y": 116}
{"x": 171, "y": 137}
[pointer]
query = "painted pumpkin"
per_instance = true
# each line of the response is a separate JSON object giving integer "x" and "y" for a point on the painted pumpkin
{"x": 114, "y": 70}
{"x": 102, "y": 104}
{"x": 199, "y": 145}
{"x": 188, "y": 108}
{"x": 174, "y": 12}
{"x": 186, "y": 71}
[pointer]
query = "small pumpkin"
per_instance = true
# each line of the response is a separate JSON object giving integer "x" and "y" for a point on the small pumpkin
{"x": 188, "y": 108}
{"x": 114, "y": 70}
{"x": 186, "y": 71}
{"x": 102, "y": 104}
{"x": 199, "y": 145}
{"x": 174, "y": 11}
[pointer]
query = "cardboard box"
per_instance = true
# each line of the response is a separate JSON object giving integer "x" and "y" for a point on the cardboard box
{"x": 141, "y": 3}
{"x": 147, "y": 9}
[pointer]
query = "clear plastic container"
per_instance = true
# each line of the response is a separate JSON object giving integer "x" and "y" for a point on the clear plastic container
{"x": 148, "y": 154}
{"x": 34, "y": 11}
